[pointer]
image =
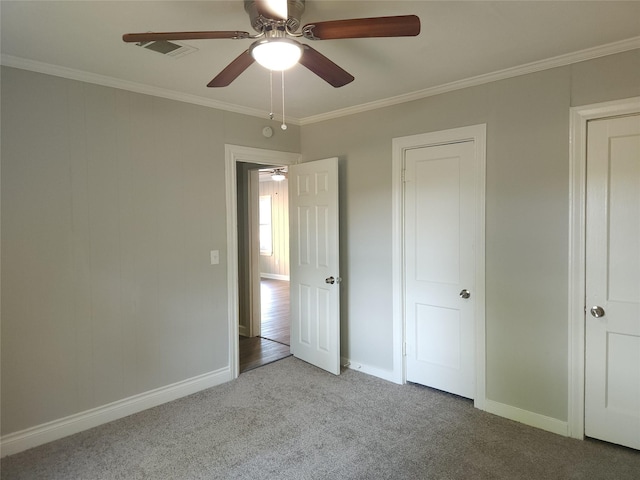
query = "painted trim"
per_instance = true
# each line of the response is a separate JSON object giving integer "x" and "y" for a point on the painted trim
{"x": 382, "y": 373}
{"x": 63, "y": 427}
{"x": 275, "y": 276}
{"x": 106, "y": 81}
{"x": 477, "y": 134}
{"x": 397, "y": 262}
{"x": 546, "y": 64}
{"x": 528, "y": 418}
{"x": 579, "y": 116}
{"x": 233, "y": 155}
{"x": 232, "y": 261}
{"x": 533, "y": 67}
{"x": 253, "y": 230}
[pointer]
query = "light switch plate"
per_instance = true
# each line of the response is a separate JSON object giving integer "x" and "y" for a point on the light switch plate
{"x": 215, "y": 257}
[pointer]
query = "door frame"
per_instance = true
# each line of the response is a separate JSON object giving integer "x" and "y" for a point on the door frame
{"x": 233, "y": 155}
{"x": 252, "y": 328}
{"x": 579, "y": 116}
{"x": 253, "y": 230}
{"x": 477, "y": 134}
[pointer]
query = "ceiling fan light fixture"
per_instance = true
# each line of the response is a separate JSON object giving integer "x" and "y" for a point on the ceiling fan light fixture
{"x": 276, "y": 54}
{"x": 278, "y": 176}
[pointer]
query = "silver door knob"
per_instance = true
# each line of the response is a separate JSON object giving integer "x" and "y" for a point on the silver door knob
{"x": 464, "y": 293}
{"x": 330, "y": 280}
{"x": 597, "y": 311}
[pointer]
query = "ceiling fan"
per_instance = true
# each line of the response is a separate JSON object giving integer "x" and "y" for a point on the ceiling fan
{"x": 277, "y": 23}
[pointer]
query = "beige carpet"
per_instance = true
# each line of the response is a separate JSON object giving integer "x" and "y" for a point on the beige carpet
{"x": 289, "y": 420}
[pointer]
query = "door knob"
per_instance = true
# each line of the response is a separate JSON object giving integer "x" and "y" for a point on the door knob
{"x": 597, "y": 311}
{"x": 330, "y": 280}
{"x": 464, "y": 293}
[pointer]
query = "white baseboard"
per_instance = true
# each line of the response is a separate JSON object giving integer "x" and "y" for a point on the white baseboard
{"x": 528, "y": 418}
{"x": 243, "y": 330}
{"x": 275, "y": 276}
{"x": 41, "y": 434}
{"x": 507, "y": 411}
{"x": 388, "y": 375}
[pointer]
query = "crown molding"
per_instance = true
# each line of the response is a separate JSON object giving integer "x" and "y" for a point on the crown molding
{"x": 538, "y": 66}
{"x": 106, "y": 81}
{"x": 559, "y": 61}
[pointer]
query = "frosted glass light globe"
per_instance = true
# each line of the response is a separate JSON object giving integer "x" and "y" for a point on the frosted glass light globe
{"x": 276, "y": 54}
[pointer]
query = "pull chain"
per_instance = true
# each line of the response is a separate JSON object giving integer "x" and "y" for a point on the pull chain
{"x": 271, "y": 93}
{"x": 284, "y": 125}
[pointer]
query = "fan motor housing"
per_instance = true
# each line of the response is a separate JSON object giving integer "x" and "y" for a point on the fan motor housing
{"x": 261, "y": 23}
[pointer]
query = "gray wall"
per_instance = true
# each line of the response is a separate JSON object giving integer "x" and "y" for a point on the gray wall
{"x": 527, "y": 208}
{"x": 111, "y": 202}
{"x": 278, "y": 262}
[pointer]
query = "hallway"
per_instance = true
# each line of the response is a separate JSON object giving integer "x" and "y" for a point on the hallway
{"x": 273, "y": 344}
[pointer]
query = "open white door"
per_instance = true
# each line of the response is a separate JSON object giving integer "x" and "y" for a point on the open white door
{"x": 314, "y": 265}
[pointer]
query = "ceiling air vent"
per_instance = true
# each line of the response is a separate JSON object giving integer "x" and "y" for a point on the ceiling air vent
{"x": 173, "y": 49}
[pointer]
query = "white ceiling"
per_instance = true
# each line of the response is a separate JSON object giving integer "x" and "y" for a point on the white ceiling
{"x": 459, "y": 41}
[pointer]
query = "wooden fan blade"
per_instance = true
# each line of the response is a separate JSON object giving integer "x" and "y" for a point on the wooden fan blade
{"x": 400, "y": 26}
{"x": 324, "y": 68}
{"x": 233, "y": 70}
{"x": 154, "y": 37}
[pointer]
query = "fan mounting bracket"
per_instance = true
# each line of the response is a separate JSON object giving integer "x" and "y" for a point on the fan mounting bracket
{"x": 307, "y": 32}
{"x": 260, "y": 20}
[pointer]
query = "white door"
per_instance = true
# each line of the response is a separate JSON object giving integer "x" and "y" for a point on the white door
{"x": 612, "y": 350}
{"x": 314, "y": 265}
{"x": 440, "y": 266}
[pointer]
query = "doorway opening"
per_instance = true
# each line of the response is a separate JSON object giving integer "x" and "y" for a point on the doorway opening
{"x": 273, "y": 342}
{"x": 264, "y": 323}
{"x": 273, "y": 220}
{"x": 236, "y": 156}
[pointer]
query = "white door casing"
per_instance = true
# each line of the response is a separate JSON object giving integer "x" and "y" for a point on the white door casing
{"x": 579, "y": 116}
{"x": 314, "y": 264}
{"x": 612, "y": 325}
{"x": 439, "y": 267}
{"x": 475, "y": 137}
{"x": 233, "y": 155}
{"x": 255, "y": 311}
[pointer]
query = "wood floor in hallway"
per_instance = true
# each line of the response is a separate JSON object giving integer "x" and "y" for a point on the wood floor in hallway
{"x": 273, "y": 344}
